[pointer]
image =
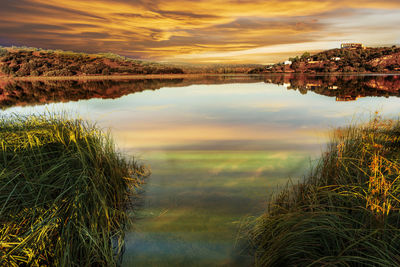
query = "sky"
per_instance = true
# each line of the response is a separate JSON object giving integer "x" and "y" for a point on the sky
{"x": 201, "y": 31}
{"x": 245, "y": 116}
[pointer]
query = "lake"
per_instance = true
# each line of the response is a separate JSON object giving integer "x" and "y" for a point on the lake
{"x": 218, "y": 146}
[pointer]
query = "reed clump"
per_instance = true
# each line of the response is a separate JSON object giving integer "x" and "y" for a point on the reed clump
{"x": 64, "y": 190}
{"x": 345, "y": 213}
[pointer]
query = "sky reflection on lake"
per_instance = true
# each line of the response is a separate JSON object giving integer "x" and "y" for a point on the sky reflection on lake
{"x": 216, "y": 152}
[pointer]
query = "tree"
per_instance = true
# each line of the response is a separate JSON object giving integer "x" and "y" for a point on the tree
{"x": 323, "y": 57}
{"x": 305, "y": 55}
{"x": 105, "y": 71}
{"x": 6, "y": 69}
{"x": 3, "y": 52}
{"x": 297, "y": 66}
{"x": 35, "y": 73}
{"x": 23, "y": 70}
{"x": 379, "y": 68}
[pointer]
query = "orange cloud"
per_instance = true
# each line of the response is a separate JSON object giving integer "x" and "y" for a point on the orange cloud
{"x": 188, "y": 134}
{"x": 178, "y": 30}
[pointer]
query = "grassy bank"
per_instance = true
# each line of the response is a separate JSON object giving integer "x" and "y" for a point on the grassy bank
{"x": 64, "y": 191}
{"x": 346, "y": 213}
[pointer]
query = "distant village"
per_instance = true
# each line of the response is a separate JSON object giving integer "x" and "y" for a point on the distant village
{"x": 348, "y": 58}
{"x": 342, "y": 46}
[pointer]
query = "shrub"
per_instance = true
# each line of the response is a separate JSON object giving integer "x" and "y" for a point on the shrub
{"x": 3, "y": 52}
{"x": 6, "y": 69}
{"x": 64, "y": 190}
{"x": 105, "y": 71}
{"x": 23, "y": 70}
{"x": 90, "y": 69}
{"x": 346, "y": 213}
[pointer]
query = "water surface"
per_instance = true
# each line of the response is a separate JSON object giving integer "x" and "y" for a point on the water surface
{"x": 217, "y": 146}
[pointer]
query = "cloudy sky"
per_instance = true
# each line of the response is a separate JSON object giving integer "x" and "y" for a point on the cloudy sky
{"x": 208, "y": 31}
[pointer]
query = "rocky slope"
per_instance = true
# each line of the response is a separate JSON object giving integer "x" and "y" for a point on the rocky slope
{"x": 386, "y": 61}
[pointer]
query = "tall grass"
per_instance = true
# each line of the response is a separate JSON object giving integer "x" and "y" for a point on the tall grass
{"x": 346, "y": 213}
{"x": 64, "y": 191}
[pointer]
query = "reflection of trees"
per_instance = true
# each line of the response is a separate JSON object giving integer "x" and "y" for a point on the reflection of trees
{"x": 344, "y": 88}
{"x": 21, "y": 93}
{"x": 341, "y": 87}
{"x": 41, "y": 92}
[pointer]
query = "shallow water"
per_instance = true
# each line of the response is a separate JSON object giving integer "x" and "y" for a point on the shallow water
{"x": 217, "y": 148}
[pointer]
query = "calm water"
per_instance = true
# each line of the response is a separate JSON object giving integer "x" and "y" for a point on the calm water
{"x": 217, "y": 147}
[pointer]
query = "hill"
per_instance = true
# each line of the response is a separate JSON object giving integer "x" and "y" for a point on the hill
{"x": 380, "y": 59}
{"x": 25, "y": 62}
{"x": 22, "y": 62}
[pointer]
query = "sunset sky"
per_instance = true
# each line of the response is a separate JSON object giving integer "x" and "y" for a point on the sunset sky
{"x": 202, "y": 31}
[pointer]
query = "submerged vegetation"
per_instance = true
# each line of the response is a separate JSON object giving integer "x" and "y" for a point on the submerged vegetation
{"x": 346, "y": 213}
{"x": 64, "y": 191}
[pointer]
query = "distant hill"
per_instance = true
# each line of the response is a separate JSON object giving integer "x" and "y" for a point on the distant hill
{"x": 25, "y": 62}
{"x": 22, "y": 62}
{"x": 381, "y": 59}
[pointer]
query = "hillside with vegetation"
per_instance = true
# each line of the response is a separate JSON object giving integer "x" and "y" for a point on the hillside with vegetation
{"x": 218, "y": 68}
{"x": 36, "y": 62}
{"x": 380, "y": 59}
{"x": 22, "y": 62}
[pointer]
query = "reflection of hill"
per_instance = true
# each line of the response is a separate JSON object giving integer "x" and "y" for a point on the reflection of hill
{"x": 22, "y": 93}
{"x": 343, "y": 88}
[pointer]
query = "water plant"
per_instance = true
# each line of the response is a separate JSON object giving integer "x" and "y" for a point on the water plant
{"x": 345, "y": 213}
{"x": 64, "y": 191}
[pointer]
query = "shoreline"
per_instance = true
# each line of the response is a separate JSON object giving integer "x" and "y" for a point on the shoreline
{"x": 121, "y": 77}
{"x": 181, "y": 76}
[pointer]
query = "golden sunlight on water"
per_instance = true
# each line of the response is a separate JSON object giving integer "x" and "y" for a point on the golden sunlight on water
{"x": 216, "y": 153}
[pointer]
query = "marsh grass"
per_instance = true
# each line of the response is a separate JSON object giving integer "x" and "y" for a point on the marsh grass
{"x": 345, "y": 213}
{"x": 64, "y": 190}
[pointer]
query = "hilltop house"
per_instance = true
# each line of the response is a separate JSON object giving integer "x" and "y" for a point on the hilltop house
{"x": 352, "y": 46}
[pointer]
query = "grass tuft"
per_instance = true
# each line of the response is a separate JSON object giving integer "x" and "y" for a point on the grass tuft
{"x": 345, "y": 213}
{"x": 64, "y": 190}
